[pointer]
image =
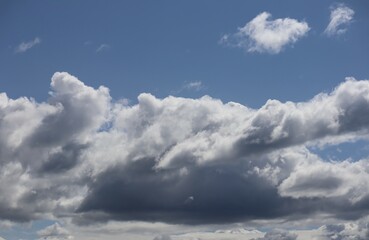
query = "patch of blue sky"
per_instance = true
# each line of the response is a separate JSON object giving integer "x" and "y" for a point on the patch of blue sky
{"x": 25, "y": 231}
{"x": 351, "y": 150}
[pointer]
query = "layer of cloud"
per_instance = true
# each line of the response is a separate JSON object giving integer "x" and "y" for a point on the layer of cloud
{"x": 25, "y": 46}
{"x": 341, "y": 16}
{"x": 267, "y": 36}
{"x": 279, "y": 235}
{"x": 162, "y": 237}
{"x": 178, "y": 160}
{"x": 146, "y": 231}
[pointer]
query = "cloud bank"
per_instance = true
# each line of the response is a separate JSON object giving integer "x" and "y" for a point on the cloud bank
{"x": 267, "y": 36}
{"x": 341, "y": 16}
{"x": 83, "y": 156}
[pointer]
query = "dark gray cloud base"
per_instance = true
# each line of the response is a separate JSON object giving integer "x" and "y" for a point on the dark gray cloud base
{"x": 179, "y": 160}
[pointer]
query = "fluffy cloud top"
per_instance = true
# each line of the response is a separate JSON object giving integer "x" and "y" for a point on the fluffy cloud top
{"x": 341, "y": 17}
{"x": 177, "y": 160}
{"x": 264, "y": 35}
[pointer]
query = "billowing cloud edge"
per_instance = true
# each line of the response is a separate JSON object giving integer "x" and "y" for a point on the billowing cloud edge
{"x": 83, "y": 156}
{"x": 340, "y": 18}
{"x": 264, "y": 35}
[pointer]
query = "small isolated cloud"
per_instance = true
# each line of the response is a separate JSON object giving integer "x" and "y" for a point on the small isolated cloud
{"x": 190, "y": 86}
{"x": 197, "y": 85}
{"x": 25, "y": 46}
{"x": 103, "y": 47}
{"x": 267, "y": 36}
{"x": 341, "y": 17}
{"x": 54, "y": 232}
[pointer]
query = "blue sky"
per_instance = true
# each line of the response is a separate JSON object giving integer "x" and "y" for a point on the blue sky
{"x": 158, "y": 46}
{"x": 80, "y": 138}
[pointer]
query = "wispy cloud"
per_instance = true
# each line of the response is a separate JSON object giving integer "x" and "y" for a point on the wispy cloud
{"x": 103, "y": 47}
{"x": 190, "y": 86}
{"x": 341, "y": 17}
{"x": 197, "y": 85}
{"x": 266, "y": 36}
{"x": 25, "y": 46}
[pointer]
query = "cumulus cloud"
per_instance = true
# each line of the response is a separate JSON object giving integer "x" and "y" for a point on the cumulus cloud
{"x": 54, "y": 232}
{"x": 179, "y": 160}
{"x": 345, "y": 231}
{"x": 264, "y": 35}
{"x": 25, "y": 46}
{"x": 341, "y": 16}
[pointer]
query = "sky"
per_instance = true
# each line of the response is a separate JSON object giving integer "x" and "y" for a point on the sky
{"x": 183, "y": 120}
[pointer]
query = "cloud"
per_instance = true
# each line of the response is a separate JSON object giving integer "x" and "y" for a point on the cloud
{"x": 25, "y": 46}
{"x": 162, "y": 237}
{"x": 341, "y": 17}
{"x": 190, "y": 86}
{"x": 319, "y": 228}
{"x": 103, "y": 47}
{"x": 179, "y": 160}
{"x": 54, "y": 232}
{"x": 197, "y": 85}
{"x": 345, "y": 231}
{"x": 277, "y": 229}
{"x": 267, "y": 36}
{"x": 279, "y": 234}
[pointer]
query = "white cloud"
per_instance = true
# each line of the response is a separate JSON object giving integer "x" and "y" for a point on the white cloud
{"x": 345, "y": 230}
{"x": 321, "y": 229}
{"x": 54, "y": 232}
{"x": 25, "y": 46}
{"x": 341, "y": 17}
{"x": 103, "y": 47}
{"x": 162, "y": 237}
{"x": 190, "y": 86}
{"x": 196, "y": 85}
{"x": 267, "y": 36}
{"x": 317, "y": 178}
